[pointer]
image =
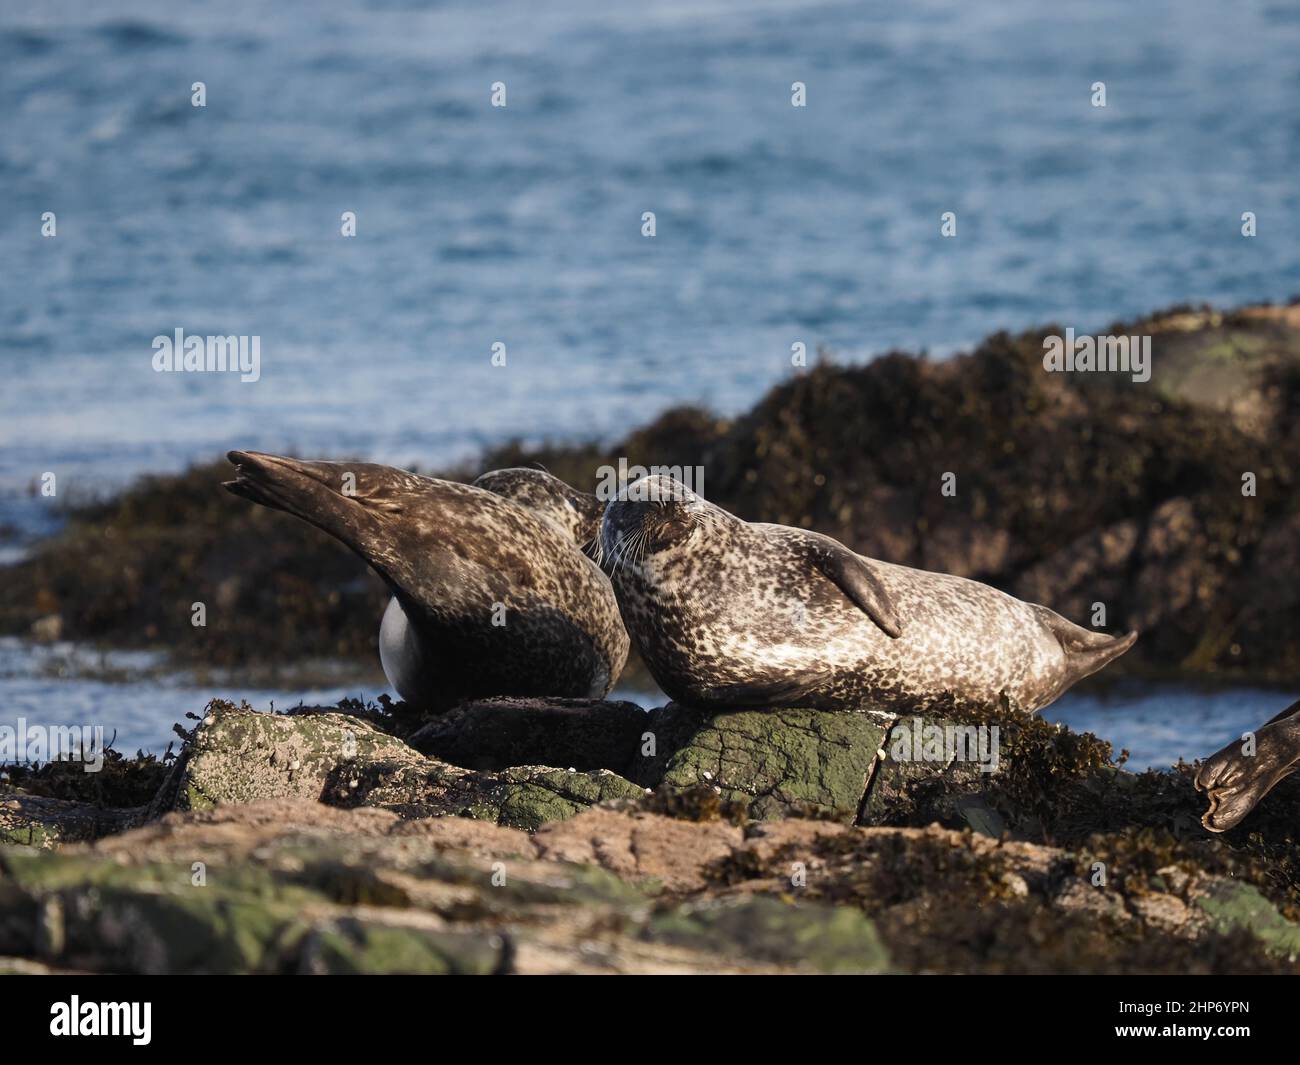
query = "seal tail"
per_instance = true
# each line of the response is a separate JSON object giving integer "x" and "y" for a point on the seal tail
{"x": 1085, "y": 651}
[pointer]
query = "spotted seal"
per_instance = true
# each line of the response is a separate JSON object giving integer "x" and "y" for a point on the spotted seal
{"x": 1237, "y": 777}
{"x": 488, "y": 597}
{"x": 727, "y": 613}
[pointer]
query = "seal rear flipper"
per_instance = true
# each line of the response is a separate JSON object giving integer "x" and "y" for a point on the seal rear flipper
{"x": 1086, "y": 651}
{"x": 854, "y": 577}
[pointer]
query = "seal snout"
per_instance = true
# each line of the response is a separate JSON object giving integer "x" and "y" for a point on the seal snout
{"x": 258, "y": 465}
{"x": 305, "y": 489}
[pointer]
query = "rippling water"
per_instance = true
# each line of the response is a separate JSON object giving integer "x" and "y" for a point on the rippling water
{"x": 522, "y": 224}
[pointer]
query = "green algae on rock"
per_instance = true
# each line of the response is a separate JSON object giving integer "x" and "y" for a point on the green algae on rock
{"x": 39, "y": 821}
{"x": 236, "y": 755}
{"x": 773, "y": 761}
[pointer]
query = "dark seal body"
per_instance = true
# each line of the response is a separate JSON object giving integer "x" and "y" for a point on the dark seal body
{"x": 488, "y": 597}
{"x": 727, "y": 613}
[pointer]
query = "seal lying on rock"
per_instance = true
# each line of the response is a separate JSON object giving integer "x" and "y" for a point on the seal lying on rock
{"x": 488, "y": 597}
{"x": 1234, "y": 780}
{"x": 730, "y": 614}
{"x": 578, "y": 513}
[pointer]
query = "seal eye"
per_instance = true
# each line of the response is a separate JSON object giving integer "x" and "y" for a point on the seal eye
{"x": 668, "y": 522}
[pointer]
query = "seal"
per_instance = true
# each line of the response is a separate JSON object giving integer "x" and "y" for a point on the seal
{"x": 578, "y": 513}
{"x": 726, "y": 613}
{"x": 1237, "y": 777}
{"x": 488, "y": 597}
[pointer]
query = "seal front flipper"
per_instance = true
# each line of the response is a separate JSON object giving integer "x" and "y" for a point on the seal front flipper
{"x": 854, "y": 577}
{"x": 1235, "y": 781}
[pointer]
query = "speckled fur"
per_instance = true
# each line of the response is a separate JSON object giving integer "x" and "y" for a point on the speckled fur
{"x": 449, "y": 552}
{"x": 727, "y": 613}
{"x": 577, "y": 513}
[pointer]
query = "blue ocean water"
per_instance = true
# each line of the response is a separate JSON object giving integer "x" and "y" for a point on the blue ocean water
{"x": 523, "y": 225}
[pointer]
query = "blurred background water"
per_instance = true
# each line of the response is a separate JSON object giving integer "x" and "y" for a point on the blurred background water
{"x": 523, "y": 224}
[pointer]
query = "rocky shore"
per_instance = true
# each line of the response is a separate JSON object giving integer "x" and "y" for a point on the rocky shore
{"x": 1172, "y": 503}
{"x": 534, "y": 836}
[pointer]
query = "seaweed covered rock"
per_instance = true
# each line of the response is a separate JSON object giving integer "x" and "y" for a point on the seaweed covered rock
{"x": 1075, "y": 488}
{"x": 236, "y": 755}
{"x": 772, "y": 761}
{"x": 40, "y": 821}
{"x": 946, "y": 901}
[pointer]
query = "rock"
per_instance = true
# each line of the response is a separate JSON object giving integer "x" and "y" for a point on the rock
{"x": 1234, "y": 905}
{"x": 905, "y": 790}
{"x": 290, "y": 886}
{"x": 37, "y": 821}
{"x": 782, "y": 761}
{"x": 1082, "y": 487}
{"x": 640, "y": 846}
{"x": 771, "y": 761}
{"x": 47, "y": 628}
{"x": 294, "y": 886}
{"x": 494, "y": 734}
{"x": 236, "y": 755}
{"x": 778, "y": 933}
{"x": 414, "y": 944}
{"x": 522, "y": 797}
